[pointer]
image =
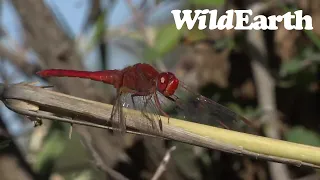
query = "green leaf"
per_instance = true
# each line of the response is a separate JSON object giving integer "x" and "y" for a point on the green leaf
{"x": 54, "y": 145}
{"x": 236, "y": 108}
{"x": 313, "y": 37}
{"x": 52, "y": 149}
{"x": 208, "y": 2}
{"x": 185, "y": 160}
{"x": 98, "y": 32}
{"x": 167, "y": 38}
{"x": 247, "y": 111}
{"x": 150, "y": 55}
{"x": 225, "y": 43}
{"x": 302, "y": 135}
{"x": 291, "y": 67}
{"x": 310, "y": 34}
{"x": 195, "y": 34}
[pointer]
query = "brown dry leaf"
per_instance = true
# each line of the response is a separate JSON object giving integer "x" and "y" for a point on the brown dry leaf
{"x": 201, "y": 65}
{"x": 304, "y": 5}
{"x": 314, "y": 5}
{"x": 316, "y": 23}
{"x": 286, "y": 43}
{"x": 247, "y": 90}
{"x": 56, "y": 176}
{"x": 218, "y": 34}
{"x": 314, "y": 87}
{"x": 311, "y": 6}
{"x": 253, "y": 170}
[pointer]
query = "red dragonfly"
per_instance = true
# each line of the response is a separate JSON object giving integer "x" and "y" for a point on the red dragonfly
{"x": 143, "y": 88}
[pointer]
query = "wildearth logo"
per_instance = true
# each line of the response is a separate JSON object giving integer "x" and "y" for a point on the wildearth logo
{"x": 243, "y": 20}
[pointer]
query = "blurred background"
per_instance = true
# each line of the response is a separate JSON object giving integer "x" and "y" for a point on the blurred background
{"x": 270, "y": 77}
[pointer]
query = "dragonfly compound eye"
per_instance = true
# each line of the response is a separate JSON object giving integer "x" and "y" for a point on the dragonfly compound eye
{"x": 167, "y": 83}
{"x": 172, "y": 85}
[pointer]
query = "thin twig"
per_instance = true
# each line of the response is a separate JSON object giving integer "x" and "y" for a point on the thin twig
{"x": 149, "y": 36}
{"x": 3, "y": 74}
{"x": 139, "y": 19}
{"x": 162, "y": 167}
{"x": 19, "y": 60}
{"x": 21, "y": 97}
{"x": 70, "y": 131}
{"x": 99, "y": 163}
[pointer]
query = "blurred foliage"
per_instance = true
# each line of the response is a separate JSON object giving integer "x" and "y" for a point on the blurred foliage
{"x": 99, "y": 31}
{"x": 81, "y": 166}
{"x": 305, "y": 59}
{"x": 84, "y": 175}
{"x": 299, "y": 134}
{"x": 300, "y": 71}
{"x": 228, "y": 43}
{"x": 208, "y": 2}
{"x": 310, "y": 34}
{"x": 167, "y": 38}
{"x": 4, "y": 144}
{"x": 185, "y": 161}
{"x": 53, "y": 147}
{"x": 248, "y": 111}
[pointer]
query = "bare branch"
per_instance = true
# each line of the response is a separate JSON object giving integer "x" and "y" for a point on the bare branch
{"x": 20, "y": 61}
{"x": 163, "y": 164}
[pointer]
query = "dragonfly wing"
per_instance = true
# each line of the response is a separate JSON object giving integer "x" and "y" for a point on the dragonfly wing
{"x": 197, "y": 108}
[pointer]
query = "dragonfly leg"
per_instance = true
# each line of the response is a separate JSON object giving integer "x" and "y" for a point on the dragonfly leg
{"x": 175, "y": 99}
{"x": 160, "y": 122}
{"x": 134, "y": 104}
{"x": 117, "y": 110}
{"x": 150, "y": 120}
{"x": 112, "y": 112}
{"x": 159, "y": 107}
{"x": 145, "y": 105}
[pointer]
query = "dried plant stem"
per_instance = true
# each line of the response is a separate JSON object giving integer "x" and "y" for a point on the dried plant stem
{"x": 35, "y": 101}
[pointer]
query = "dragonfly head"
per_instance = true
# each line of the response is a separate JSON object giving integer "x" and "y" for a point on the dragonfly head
{"x": 167, "y": 83}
